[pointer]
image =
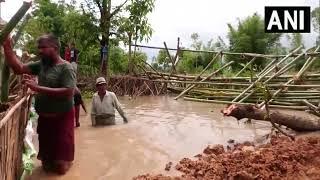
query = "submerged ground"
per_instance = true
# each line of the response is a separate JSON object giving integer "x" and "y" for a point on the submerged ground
{"x": 160, "y": 130}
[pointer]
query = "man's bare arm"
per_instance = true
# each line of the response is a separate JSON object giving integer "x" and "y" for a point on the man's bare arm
{"x": 12, "y": 60}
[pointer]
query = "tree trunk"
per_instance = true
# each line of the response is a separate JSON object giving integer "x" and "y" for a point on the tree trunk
{"x": 105, "y": 23}
{"x": 298, "y": 121}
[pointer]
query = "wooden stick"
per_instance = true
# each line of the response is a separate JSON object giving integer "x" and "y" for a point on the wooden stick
{"x": 273, "y": 124}
{"x": 149, "y": 88}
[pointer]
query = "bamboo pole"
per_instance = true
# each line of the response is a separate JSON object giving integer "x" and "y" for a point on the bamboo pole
{"x": 229, "y": 78}
{"x": 176, "y": 57}
{"x": 229, "y": 53}
{"x": 23, "y": 24}
{"x": 4, "y": 33}
{"x": 173, "y": 68}
{"x": 313, "y": 107}
{"x": 268, "y": 66}
{"x": 215, "y": 72}
{"x": 245, "y": 67}
{"x": 238, "y": 84}
{"x": 253, "y": 84}
{"x": 14, "y": 21}
{"x": 282, "y": 70}
{"x": 307, "y": 64}
{"x": 230, "y": 102}
{"x": 300, "y": 73}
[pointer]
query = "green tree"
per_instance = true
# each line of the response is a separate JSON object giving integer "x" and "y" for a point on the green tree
{"x": 163, "y": 59}
{"x": 47, "y": 18}
{"x": 249, "y": 36}
{"x": 136, "y": 27}
{"x": 296, "y": 40}
{"x": 109, "y": 20}
{"x": 316, "y": 22}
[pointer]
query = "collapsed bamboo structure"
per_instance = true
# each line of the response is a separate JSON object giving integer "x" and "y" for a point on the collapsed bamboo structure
{"x": 299, "y": 91}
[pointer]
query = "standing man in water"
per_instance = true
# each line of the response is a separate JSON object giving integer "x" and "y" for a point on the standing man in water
{"x": 104, "y": 104}
{"x": 53, "y": 101}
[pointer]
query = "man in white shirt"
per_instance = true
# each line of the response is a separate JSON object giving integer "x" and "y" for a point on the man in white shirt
{"x": 104, "y": 104}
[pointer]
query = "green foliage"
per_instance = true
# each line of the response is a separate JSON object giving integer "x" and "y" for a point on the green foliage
{"x": 163, "y": 60}
{"x": 296, "y": 40}
{"x": 71, "y": 24}
{"x": 187, "y": 63}
{"x": 316, "y": 22}
{"x": 192, "y": 62}
{"x": 249, "y": 37}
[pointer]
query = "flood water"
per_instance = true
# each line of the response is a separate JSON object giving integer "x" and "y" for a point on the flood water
{"x": 160, "y": 130}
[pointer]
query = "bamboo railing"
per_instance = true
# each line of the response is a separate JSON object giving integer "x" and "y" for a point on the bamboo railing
{"x": 12, "y": 132}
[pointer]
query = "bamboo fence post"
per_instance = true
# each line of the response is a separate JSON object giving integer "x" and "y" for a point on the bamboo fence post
{"x": 176, "y": 57}
{"x": 173, "y": 68}
{"x": 262, "y": 76}
{"x": 14, "y": 21}
{"x": 208, "y": 77}
{"x": 23, "y": 24}
{"x": 245, "y": 67}
{"x": 4, "y": 33}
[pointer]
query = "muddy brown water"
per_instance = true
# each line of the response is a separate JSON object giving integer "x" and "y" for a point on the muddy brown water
{"x": 160, "y": 130}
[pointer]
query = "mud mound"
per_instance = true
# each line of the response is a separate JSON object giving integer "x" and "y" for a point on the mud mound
{"x": 279, "y": 159}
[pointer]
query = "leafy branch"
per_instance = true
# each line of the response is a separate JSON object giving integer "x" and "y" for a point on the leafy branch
{"x": 267, "y": 96}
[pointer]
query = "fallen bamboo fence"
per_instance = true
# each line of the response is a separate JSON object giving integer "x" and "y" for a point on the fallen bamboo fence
{"x": 299, "y": 91}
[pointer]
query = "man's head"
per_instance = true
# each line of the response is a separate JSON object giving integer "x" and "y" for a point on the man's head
{"x": 101, "y": 85}
{"x": 48, "y": 46}
{"x": 73, "y": 45}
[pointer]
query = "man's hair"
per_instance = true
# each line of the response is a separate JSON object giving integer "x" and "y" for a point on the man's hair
{"x": 50, "y": 38}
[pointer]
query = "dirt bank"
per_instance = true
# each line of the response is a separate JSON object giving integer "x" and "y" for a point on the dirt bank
{"x": 281, "y": 158}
